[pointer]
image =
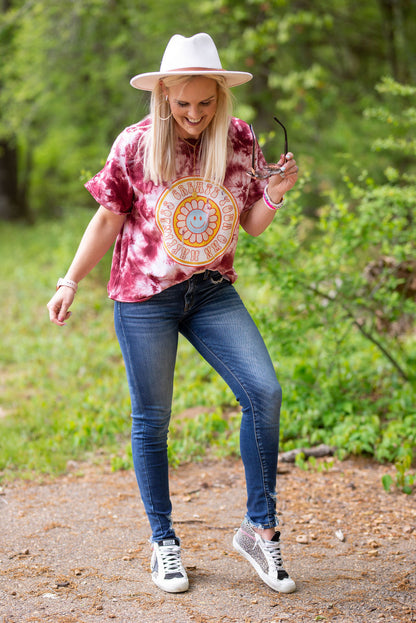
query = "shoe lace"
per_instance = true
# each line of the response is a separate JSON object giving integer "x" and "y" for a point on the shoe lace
{"x": 272, "y": 550}
{"x": 171, "y": 558}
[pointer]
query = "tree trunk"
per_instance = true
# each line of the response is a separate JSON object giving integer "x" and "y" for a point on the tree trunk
{"x": 13, "y": 199}
{"x": 398, "y": 16}
{"x": 13, "y": 204}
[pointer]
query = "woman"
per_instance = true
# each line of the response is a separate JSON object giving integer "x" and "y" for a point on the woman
{"x": 172, "y": 194}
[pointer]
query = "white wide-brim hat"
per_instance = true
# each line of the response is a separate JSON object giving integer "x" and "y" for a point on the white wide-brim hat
{"x": 193, "y": 56}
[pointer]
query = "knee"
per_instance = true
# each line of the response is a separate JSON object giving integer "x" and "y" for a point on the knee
{"x": 151, "y": 425}
{"x": 271, "y": 393}
{"x": 265, "y": 396}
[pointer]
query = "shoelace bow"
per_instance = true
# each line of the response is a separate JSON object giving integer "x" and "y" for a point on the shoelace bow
{"x": 171, "y": 558}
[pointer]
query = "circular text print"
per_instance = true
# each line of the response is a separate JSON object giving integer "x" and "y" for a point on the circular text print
{"x": 197, "y": 220}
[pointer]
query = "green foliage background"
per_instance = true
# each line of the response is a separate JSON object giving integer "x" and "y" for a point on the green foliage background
{"x": 332, "y": 281}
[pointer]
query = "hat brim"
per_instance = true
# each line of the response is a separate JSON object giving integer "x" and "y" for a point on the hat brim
{"x": 148, "y": 81}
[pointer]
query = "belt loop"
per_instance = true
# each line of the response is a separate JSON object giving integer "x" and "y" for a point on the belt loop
{"x": 206, "y": 274}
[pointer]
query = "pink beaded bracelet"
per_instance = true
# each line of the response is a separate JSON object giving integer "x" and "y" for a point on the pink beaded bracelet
{"x": 269, "y": 203}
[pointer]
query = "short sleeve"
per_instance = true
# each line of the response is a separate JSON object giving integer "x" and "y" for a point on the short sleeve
{"x": 111, "y": 187}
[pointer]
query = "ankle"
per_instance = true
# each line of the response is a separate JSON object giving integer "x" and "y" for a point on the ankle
{"x": 266, "y": 533}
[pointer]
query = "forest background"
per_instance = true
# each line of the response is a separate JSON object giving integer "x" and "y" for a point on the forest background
{"x": 332, "y": 283}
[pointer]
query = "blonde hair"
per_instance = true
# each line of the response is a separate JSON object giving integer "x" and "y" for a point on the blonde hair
{"x": 160, "y": 139}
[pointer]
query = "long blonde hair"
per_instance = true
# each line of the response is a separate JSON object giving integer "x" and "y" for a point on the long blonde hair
{"x": 160, "y": 140}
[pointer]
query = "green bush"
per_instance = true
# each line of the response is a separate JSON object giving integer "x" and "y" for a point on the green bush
{"x": 336, "y": 300}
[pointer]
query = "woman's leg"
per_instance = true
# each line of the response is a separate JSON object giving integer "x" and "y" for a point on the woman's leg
{"x": 221, "y": 329}
{"x": 148, "y": 335}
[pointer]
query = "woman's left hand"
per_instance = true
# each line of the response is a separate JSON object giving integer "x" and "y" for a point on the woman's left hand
{"x": 279, "y": 184}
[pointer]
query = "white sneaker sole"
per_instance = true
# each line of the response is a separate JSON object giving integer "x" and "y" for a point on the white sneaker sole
{"x": 172, "y": 586}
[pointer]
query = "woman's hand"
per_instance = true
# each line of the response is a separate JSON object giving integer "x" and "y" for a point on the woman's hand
{"x": 59, "y": 305}
{"x": 259, "y": 217}
{"x": 279, "y": 185}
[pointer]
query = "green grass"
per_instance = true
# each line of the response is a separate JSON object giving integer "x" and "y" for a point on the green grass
{"x": 63, "y": 393}
{"x": 62, "y": 390}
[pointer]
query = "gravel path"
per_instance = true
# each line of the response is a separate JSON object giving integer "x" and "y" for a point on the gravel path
{"x": 75, "y": 549}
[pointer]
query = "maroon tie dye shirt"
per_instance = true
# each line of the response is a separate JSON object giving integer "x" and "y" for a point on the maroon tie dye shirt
{"x": 178, "y": 228}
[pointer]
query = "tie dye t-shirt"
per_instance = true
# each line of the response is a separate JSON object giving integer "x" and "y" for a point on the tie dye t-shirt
{"x": 178, "y": 228}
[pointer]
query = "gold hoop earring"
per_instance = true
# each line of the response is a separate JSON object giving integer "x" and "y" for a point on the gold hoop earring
{"x": 169, "y": 115}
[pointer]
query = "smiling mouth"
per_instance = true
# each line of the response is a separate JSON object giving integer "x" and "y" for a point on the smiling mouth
{"x": 194, "y": 121}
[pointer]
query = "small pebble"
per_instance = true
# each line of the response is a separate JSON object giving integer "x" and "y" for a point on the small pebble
{"x": 303, "y": 539}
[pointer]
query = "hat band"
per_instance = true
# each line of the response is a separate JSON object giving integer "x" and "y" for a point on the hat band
{"x": 212, "y": 69}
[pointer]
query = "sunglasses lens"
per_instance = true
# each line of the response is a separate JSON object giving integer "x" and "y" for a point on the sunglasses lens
{"x": 264, "y": 174}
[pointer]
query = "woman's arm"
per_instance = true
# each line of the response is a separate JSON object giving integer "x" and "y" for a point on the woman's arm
{"x": 96, "y": 241}
{"x": 256, "y": 220}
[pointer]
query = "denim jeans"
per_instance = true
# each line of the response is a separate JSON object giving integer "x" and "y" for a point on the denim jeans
{"x": 207, "y": 310}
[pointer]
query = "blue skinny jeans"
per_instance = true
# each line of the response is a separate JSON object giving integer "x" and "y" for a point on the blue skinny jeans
{"x": 207, "y": 310}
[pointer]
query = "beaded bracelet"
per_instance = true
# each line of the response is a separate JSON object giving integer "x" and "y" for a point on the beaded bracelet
{"x": 67, "y": 282}
{"x": 269, "y": 203}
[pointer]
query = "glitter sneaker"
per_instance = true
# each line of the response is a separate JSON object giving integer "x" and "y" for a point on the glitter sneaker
{"x": 264, "y": 556}
{"x": 166, "y": 566}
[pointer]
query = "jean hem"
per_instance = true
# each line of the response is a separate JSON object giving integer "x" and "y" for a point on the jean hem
{"x": 153, "y": 539}
{"x": 263, "y": 526}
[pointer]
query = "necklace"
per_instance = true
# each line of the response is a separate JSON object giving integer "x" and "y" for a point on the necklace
{"x": 193, "y": 143}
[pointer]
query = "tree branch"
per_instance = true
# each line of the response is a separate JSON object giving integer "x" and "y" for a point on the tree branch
{"x": 361, "y": 328}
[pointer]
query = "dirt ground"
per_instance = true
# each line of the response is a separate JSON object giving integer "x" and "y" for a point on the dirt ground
{"x": 75, "y": 549}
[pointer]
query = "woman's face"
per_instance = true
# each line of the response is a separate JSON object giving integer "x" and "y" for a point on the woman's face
{"x": 193, "y": 105}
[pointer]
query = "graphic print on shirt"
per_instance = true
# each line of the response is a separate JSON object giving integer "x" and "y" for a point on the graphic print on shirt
{"x": 197, "y": 219}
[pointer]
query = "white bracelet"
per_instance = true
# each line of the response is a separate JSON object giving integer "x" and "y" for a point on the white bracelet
{"x": 269, "y": 203}
{"x": 67, "y": 282}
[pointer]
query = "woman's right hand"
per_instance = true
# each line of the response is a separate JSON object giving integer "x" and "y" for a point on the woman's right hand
{"x": 59, "y": 305}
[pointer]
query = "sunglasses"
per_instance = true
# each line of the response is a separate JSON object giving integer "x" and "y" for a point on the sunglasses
{"x": 271, "y": 169}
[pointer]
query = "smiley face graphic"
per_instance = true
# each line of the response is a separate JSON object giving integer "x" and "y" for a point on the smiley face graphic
{"x": 197, "y": 221}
